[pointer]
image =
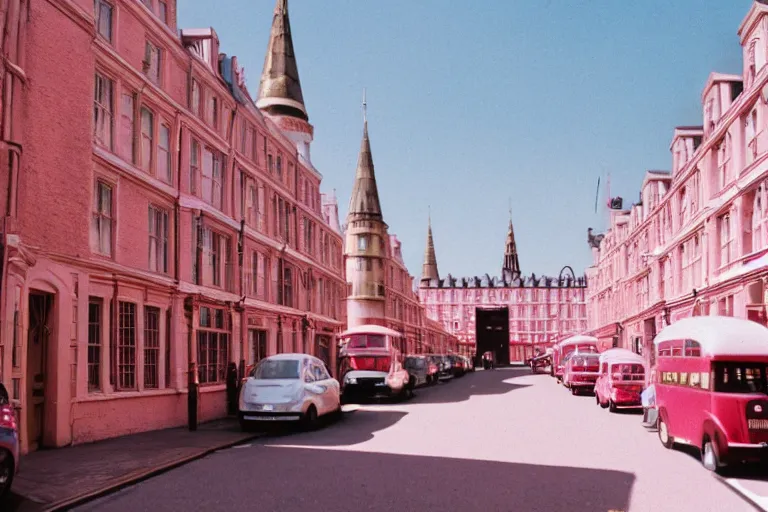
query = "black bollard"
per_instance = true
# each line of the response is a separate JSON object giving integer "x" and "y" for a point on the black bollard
{"x": 192, "y": 396}
{"x": 232, "y": 389}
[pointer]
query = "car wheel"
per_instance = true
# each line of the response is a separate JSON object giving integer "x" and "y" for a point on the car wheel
{"x": 612, "y": 406}
{"x": 666, "y": 439}
{"x": 244, "y": 426}
{"x": 6, "y": 473}
{"x": 574, "y": 391}
{"x": 310, "y": 418}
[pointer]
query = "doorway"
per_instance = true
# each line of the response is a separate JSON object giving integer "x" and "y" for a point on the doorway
{"x": 38, "y": 340}
{"x": 492, "y": 334}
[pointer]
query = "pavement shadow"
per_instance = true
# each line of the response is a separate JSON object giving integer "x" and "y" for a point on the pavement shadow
{"x": 487, "y": 382}
{"x": 353, "y": 428}
{"x": 342, "y": 480}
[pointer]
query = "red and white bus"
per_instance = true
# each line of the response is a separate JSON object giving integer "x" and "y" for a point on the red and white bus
{"x": 711, "y": 389}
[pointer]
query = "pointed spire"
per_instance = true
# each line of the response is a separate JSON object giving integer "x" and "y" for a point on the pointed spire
{"x": 280, "y": 88}
{"x": 511, "y": 263}
{"x": 429, "y": 269}
{"x": 364, "y": 202}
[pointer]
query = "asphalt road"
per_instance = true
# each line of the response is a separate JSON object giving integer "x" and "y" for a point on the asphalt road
{"x": 502, "y": 440}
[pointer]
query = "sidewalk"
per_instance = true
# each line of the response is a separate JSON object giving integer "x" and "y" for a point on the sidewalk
{"x": 57, "y": 478}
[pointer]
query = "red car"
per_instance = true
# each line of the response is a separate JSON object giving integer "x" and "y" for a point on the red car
{"x": 9, "y": 444}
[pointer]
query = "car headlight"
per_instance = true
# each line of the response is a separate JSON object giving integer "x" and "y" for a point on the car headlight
{"x": 351, "y": 380}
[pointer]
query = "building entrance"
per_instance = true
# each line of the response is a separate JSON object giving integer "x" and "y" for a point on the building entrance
{"x": 492, "y": 334}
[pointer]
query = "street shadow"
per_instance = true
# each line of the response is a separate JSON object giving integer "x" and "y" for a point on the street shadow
{"x": 486, "y": 382}
{"x": 353, "y": 428}
{"x": 287, "y": 479}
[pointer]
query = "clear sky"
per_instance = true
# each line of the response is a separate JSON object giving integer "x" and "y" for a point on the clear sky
{"x": 472, "y": 103}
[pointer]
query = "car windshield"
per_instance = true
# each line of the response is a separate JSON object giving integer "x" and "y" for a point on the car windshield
{"x": 276, "y": 369}
{"x": 367, "y": 341}
{"x": 740, "y": 377}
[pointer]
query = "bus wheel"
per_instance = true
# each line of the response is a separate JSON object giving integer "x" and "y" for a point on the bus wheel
{"x": 666, "y": 440}
{"x": 709, "y": 457}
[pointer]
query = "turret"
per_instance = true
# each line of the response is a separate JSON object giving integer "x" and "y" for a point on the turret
{"x": 511, "y": 267}
{"x": 429, "y": 268}
{"x": 365, "y": 244}
{"x": 280, "y": 95}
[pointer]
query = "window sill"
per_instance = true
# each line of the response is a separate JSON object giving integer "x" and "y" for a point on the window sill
{"x": 117, "y": 395}
{"x": 212, "y": 388}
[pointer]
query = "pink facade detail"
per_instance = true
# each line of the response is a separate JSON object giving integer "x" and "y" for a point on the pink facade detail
{"x": 157, "y": 224}
{"x": 697, "y": 241}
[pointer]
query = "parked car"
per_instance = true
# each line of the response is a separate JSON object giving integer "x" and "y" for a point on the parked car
{"x": 445, "y": 368}
{"x": 581, "y": 372}
{"x": 433, "y": 369}
{"x": 371, "y": 363}
{"x": 622, "y": 374}
{"x": 9, "y": 444}
{"x": 290, "y": 388}
{"x": 457, "y": 365}
{"x": 418, "y": 369}
{"x": 575, "y": 344}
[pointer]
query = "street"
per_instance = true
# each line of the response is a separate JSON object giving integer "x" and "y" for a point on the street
{"x": 494, "y": 440}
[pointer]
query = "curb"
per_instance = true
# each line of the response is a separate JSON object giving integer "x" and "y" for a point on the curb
{"x": 740, "y": 493}
{"x": 137, "y": 477}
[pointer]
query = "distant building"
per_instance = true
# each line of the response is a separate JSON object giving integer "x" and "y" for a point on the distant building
{"x": 380, "y": 289}
{"x": 528, "y": 311}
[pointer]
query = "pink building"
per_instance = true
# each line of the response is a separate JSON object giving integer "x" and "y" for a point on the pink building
{"x": 159, "y": 226}
{"x": 380, "y": 289}
{"x": 515, "y": 311}
{"x": 697, "y": 241}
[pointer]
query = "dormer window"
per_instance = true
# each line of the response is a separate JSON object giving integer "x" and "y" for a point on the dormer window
{"x": 152, "y": 59}
{"x": 104, "y": 19}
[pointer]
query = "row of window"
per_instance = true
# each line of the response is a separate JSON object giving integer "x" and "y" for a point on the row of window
{"x": 213, "y": 268}
{"x": 103, "y": 224}
{"x": 144, "y": 139}
{"x": 688, "y": 379}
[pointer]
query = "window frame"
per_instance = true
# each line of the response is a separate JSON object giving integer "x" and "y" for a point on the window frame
{"x": 98, "y": 6}
{"x": 102, "y": 217}
{"x": 158, "y": 239}
{"x": 106, "y": 107}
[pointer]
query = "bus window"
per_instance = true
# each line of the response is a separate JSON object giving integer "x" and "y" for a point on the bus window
{"x": 692, "y": 349}
{"x": 740, "y": 377}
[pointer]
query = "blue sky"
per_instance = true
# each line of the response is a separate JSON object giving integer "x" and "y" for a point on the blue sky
{"x": 474, "y": 102}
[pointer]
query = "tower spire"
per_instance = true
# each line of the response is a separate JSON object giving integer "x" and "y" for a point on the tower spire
{"x": 429, "y": 268}
{"x": 280, "y": 87}
{"x": 511, "y": 265}
{"x": 364, "y": 201}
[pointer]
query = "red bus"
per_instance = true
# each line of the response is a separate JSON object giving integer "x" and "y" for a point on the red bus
{"x": 711, "y": 389}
